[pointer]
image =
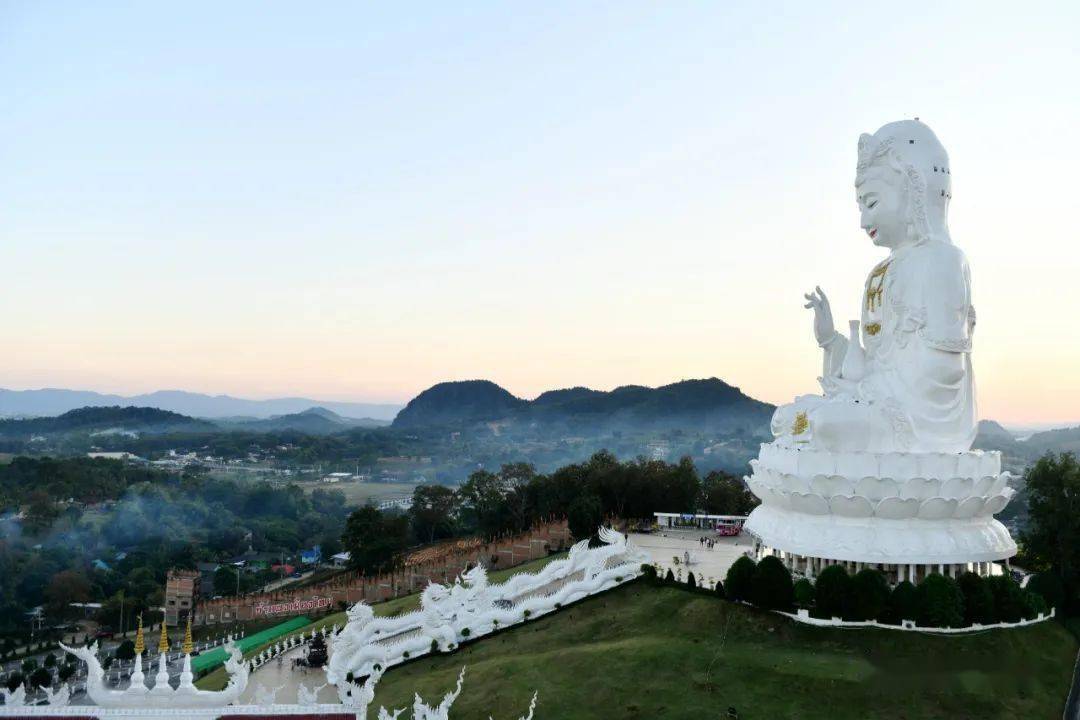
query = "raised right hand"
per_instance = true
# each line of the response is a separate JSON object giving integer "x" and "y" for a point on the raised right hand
{"x": 824, "y": 329}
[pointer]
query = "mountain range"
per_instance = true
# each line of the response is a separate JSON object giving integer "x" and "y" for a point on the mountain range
{"x": 709, "y": 404}
{"x": 51, "y": 402}
{"x": 134, "y": 421}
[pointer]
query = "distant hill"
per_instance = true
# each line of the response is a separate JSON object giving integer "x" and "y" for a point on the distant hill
{"x": 1059, "y": 440}
{"x": 991, "y": 429}
{"x": 453, "y": 403}
{"x": 51, "y": 402}
{"x": 105, "y": 420}
{"x": 708, "y": 404}
{"x": 313, "y": 421}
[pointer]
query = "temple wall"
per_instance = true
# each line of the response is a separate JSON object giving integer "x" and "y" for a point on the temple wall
{"x": 439, "y": 563}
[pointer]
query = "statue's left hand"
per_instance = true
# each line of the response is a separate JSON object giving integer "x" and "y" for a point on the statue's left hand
{"x": 824, "y": 328}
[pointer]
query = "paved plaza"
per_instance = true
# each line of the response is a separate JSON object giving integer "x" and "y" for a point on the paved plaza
{"x": 282, "y": 676}
{"x": 665, "y": 545}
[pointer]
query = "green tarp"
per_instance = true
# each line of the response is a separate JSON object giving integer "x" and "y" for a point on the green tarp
{"x": 212, "y": 658}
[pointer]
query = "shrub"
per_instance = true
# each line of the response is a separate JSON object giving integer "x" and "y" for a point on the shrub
{"x": 832, "y": 592}
{"x": 670, "y": 577}
{"x": 1008, "y": 604}
{"x": 648, "y": 572}
{"x": 740, "y": 578}
{"x": 29, "y": 665}
{"x": 434, "y": 646}
{"x": 14, "y": 680}
{"x": 466, "y": 632}
{"x": 770, "y": 586}
{"x": 978, "y": 601}
{"x": 691, "y": 581}
{"x": 869, "y": 595}
{"x": 941, "y": 604}
{"x": 50, "y": 660}
{"x": 66, "y": 671}
{"x": 903, "y": 603}
{"x": 719, "y": 590}
{"x": 528, "y": 613}
{"x": 1049, "y": 587}
{"x": 803, "y": 592}
{"x": 405, "y": 654}
{"x": 1032, "y": 604}
{"x": 40, "y": 678}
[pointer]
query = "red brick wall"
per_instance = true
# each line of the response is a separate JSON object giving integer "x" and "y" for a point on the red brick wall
{"x": 510, "y": 551}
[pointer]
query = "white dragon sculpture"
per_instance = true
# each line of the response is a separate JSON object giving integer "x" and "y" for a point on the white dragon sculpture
{"x": 471, "y": 606}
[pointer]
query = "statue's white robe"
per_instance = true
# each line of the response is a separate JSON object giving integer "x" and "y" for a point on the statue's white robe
{"x": 918, "y": 390}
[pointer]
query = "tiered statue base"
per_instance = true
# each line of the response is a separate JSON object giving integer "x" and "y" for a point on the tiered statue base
{"x": 906, "y": 513}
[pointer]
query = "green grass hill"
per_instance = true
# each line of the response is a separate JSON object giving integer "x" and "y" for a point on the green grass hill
{"x": 646, "y": 652}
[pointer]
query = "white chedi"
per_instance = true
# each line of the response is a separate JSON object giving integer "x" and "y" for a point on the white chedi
{"x": 879, "y": 469}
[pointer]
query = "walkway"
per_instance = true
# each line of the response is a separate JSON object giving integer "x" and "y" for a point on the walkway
{"x": 664, "y": 546}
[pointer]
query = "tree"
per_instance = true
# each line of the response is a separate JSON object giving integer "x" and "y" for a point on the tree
{"x": 724, "y": 494}
{"x": 869, "y": 595}
{"x": 483, "y": 504}
{"x": 432, "y": 512}
{"x": 66, "y": 587}
{"x": 374, "y": 539}
{"x": 978, "y": 601}
{"x": 1048, "y": 586}
{"x": 720, "y": 591}
{"x": 691, "y": 581}
{"x": 228, "y": 578}
{"x": 1051, "y": 541}
{"x": 125, "y": 650}
{"x": 317, "y": 652}
{"x": 803, "y": 592}
{"x": 740, "y": 579}
{"x": 770, "y": 585}
{"x": 832, "y": 592}
{"x": 585, "y": 516}
{"x": 941, "y": 604}
{"x": 1008, "y": 604}
{"x": 50, "y": 661}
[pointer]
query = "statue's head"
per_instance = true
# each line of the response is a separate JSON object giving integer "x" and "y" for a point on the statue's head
{"x": 903, "y": 184}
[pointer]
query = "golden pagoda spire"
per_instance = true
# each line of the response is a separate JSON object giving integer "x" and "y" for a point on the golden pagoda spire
{"x": 188, "y": 645}
{"x": 140, "y": 644}
{"x": 163, "y": 643}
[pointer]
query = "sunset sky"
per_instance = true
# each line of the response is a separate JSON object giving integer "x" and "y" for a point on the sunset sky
{"x": 348, "y": 202}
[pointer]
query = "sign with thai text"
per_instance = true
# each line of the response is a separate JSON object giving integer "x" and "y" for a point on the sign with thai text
{"x": 293, "y": 606}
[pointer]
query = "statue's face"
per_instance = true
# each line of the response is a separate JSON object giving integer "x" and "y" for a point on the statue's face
{"x": 882, "y": 199}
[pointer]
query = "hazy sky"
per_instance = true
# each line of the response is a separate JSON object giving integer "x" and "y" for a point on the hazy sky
{"x": 357, "y": 202}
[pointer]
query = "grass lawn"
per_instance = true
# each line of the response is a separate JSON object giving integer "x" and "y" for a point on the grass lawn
{"x": 646, "y": 652}
{"x": 216, "y": 679}
{"x": 358, "y": 493}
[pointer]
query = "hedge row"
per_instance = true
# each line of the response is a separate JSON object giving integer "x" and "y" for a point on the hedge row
{"x": 937, "y": 601}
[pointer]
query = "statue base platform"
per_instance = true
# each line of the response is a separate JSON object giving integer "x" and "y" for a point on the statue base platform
{"x": 881, "y": 508}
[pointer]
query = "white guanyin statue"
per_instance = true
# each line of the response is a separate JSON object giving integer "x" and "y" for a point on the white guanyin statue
{"x": 878, "y": 471}
{"x": 903, "y": 380}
